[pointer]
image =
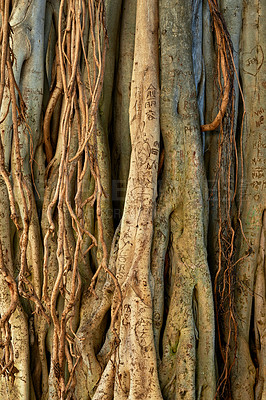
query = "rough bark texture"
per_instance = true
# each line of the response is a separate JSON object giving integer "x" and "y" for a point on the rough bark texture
{"x": 132, "y": 199}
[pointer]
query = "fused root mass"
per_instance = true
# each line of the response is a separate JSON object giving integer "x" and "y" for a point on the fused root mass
{"x": 132, "y": 199}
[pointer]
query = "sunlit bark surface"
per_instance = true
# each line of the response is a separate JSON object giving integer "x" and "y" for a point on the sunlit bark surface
{"x": 132, "y": 199}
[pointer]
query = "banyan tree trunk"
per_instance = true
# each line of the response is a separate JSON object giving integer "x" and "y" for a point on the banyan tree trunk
{"x": 132, "y": 199}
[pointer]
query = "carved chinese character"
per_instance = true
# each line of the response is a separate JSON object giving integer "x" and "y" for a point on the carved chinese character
{"x": 151, "y": 115}
{"x": 258, "y": 172}
{"x": 150, "y": 103}
{"x": 151, "y": 92}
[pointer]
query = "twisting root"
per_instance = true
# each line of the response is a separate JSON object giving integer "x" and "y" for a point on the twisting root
{"x": 25, "y": 287}
{"x": 224, "y": 47}
{"x": 5, "y": 46}
{"x": 78, "y": 123}
{"x": 7, "y": 367}
{"x": 50, "y": 109}
{"x": 227, "y": 151}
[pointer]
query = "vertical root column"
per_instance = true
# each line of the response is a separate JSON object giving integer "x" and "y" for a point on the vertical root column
{"x": 135, "y": 358}
{"x": 187, "y": 368}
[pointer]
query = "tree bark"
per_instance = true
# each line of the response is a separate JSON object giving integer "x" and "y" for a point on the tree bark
{"x": 132, "y": 229}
